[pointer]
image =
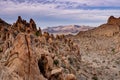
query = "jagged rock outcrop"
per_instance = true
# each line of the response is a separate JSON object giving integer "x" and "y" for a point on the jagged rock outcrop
{"x": 3, "y": 23}
{"x": 23, "y": 26}
{"x": 113, "y": 20}
{"x": 22, "y": 60}
{"x": 33, "y": 25}
{"x": 27, "y": 54}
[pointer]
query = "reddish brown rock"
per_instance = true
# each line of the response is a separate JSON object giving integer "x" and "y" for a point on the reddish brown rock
{"x": 22, "y": 59}
{"x": 111, "y": 28}
{"x": 33, "y": 25}
{"x": 70, "y": 77}
{"x": 19, "y": 20}
{"x": 113, "y": 20}
{"x": 46, "y": 35}
{"x": 25, "y": 56}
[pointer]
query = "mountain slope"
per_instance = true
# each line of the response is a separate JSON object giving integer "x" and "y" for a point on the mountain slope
{"x": 3, "y": 23}
{"x": 100, "y": 50}
{"x": 111, "y": 28}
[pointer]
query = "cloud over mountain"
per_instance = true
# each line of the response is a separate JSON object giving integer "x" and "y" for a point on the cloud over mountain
{"x": 56, "y": 12}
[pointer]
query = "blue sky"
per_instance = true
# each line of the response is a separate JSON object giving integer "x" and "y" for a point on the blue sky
{"x": 47, "y": 13}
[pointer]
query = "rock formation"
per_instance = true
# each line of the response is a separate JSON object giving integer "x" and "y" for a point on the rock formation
{"x": 3, "y": 23}
{"x": 23, "y": 26}
{"x": 27, "y": 54}
{"x": 113, "y": 20}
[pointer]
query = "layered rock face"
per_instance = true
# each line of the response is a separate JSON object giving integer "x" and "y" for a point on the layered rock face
{"x": 27, "y": 54}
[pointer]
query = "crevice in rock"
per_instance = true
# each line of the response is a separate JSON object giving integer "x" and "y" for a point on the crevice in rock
{"x": 28, "y": 56}
{"x": 41, "y": 64}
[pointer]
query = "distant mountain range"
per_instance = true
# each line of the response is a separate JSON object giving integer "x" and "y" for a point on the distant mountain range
{"x": 69, "y": 29}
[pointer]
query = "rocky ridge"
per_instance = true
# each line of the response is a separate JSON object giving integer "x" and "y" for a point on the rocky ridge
{"x": 111, "y": 28}
{"x": 27, "y": 54}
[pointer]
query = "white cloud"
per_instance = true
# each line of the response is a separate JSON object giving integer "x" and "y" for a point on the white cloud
{"x": 10, "y": 8}
{"x": 96, "y": 2}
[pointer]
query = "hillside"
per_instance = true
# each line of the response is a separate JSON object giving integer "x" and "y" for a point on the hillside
{"x": 100, "y": 50}
{"x": 69, "y": 29}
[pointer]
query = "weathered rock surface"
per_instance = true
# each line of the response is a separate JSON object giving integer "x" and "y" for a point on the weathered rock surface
{"x": 113, "y": 20}
{"x": 27, "y": 54}
{"x": 70, "y": 77}
{"x": 22, "y": 60}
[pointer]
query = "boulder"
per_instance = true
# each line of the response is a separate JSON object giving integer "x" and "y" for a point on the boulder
{"x": 70, "y": 77}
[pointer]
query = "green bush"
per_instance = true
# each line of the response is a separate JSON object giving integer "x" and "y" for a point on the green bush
{"x": 94, "y": 78}
{"x": 56, "y": 62}
{"x": 1, "y": 50}
{"x": 70, "y": 60}
{"x": 37, "y": 33}
{"x": 113, "y": 50}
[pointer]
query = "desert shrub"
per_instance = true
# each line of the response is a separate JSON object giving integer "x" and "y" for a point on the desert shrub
{"x": 70, "y": 60}
{"x": 113, "y": 50}
{"x": 1, "y": 50}
{"x": 56, "y": 62}
{"x": 22, "y": 30}
{"x": 63, "y": 65}
{"x": 94, "y": 77}
{"x": 37, "y": 33}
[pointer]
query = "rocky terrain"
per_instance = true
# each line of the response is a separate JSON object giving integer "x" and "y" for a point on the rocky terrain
{"x": 27, "y": 54}
{"x": 100, "y": 51}
{"x": 69, "y": 29}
